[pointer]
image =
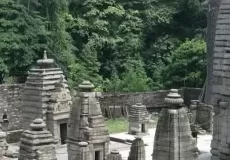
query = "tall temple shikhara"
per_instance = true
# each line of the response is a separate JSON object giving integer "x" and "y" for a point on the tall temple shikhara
{"x": 219, "y": 82}
{"x": 173, "y": 138}
{"x": 47, "y": 96}
{"x": 88, "y": 137}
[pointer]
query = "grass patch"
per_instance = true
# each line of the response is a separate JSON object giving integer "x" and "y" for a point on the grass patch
{"x": 117, "y": 125}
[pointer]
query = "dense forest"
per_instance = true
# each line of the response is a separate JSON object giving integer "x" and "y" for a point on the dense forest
{"x": 119, "y": 45}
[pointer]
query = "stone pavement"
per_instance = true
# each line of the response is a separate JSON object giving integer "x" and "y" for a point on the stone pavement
{"x": 203, "y": 145}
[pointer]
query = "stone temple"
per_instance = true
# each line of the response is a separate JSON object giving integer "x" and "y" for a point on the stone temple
{"x": 173, "y": 139}
{"x": 137, "y": 150}
{"x": 88, "y": 137}
{"x": 218, "y": 93}
{"x": 138, "y": 119}
{"x": 37, "y": 143}
{"x": 46, "y": 96}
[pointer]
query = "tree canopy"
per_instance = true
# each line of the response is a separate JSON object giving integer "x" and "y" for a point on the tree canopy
{"x": 119, "y": 45}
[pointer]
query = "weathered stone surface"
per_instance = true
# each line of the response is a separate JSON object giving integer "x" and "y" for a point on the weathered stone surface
{"x": 137, "y": 151}
{"x": 201, "y": 114}
{"x": 10, "y": 109}
{"x": 46, "y": 96}
{"x": 138, "y": 119}
{"x": 37, "y": 143}
{"x": 4, "y": 146}
{"x": 114, "y": 155}
{"x": 86, "y": 124}
{"x": 220, "y": 86}
{"x": 173, "y": 139}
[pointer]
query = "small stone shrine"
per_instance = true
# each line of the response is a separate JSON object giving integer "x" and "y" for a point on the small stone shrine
{"x": 4, "y": 146}
{"x": 86, "y": 124}
{"x": 137, "y": 151}
{"x": 37, "y": 143}
{"x": 138, "y": 119}
{"x": 114, "y": 155}
{"x": 173, "y": 139}
{"x": 47, "y": 96}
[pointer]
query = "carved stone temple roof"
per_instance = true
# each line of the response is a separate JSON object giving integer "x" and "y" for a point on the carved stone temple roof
{"x": 114, "y": 155}
{"x": 45, "y": 87}
{"x": 37, "y": 142}
{"x": 138, "y": 113}
{"x": 173, "y": 98}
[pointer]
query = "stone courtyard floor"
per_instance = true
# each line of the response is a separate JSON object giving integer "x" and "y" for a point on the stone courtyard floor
{"x": 203, "y": 145}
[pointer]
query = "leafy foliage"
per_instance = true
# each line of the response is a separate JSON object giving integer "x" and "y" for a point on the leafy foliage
{"x": 119, "y": 45}
{"x": 23, "y": 37}
{"x": 187, "y": 67}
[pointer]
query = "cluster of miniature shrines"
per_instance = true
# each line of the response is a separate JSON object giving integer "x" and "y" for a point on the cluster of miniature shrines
{"x": 52, "y": 117}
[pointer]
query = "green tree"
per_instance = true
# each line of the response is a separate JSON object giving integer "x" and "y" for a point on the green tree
{"x": 23, "y": 38}
{"x": 187, "y": 67}
{"x": 106, "y": 36}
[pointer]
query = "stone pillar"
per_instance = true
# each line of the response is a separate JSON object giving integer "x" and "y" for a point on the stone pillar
{"x": 137, "y": 151}
{"x": 114, "y": 155}
{"x": 173, "y": 139}
{"x": 37, "y": 143}
{"x": 216, "y": 134}
{"x": 224, "y": 149}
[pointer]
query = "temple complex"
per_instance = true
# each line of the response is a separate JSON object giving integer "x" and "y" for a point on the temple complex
{"x": 37, "y": 143}
{"x": 137, "y": 151}
{"x": 46, "y": 96}
{"x": 138, "y": 119}
{"x": 86, "y": 126}
{"x": 173, "y": 139}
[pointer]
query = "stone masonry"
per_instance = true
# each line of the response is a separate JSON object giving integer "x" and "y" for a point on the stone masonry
{"x": 114, "y": 155}
{"x": 86, "y": 126}
{"x": 173, "y": 139}
{"x": 4, "y": 152}
{"x": 37, "y": 143}
{"x": 10, "y": 108}
{"x": 137, "y": 151}
{"x": 219, "y": 78}
{"x": 138, "y": 119}
{"x": 46, "y": 96}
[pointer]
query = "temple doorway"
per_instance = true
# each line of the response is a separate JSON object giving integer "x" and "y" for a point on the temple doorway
{"x": 143, "y": 128}
{"x": 97, "y": 155}
{"x": 63, "y": 132}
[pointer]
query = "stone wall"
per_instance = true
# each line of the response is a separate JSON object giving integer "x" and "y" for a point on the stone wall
{"x": 10, "y": 106}
{"x": 154, "y": 101}
{"x": 113, "y": 104}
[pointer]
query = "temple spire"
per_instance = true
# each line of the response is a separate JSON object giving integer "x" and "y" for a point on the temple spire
{"x": 45, "y": 62}
{"x": 45, "y": 55}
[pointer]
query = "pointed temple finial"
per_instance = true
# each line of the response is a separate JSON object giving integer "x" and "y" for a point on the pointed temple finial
{"x": 45, "y": 62}
{"x": 86, "y": 86}
{"x": 38, "y": 125}
{"x": 173, "y": 97}
{"x": 45, "y": 55}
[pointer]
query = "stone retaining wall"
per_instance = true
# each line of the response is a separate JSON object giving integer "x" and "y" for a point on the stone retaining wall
{"x": 10, "y": 106}
{"x": 10, "y": 96}
{"x": 154, "y": 101}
